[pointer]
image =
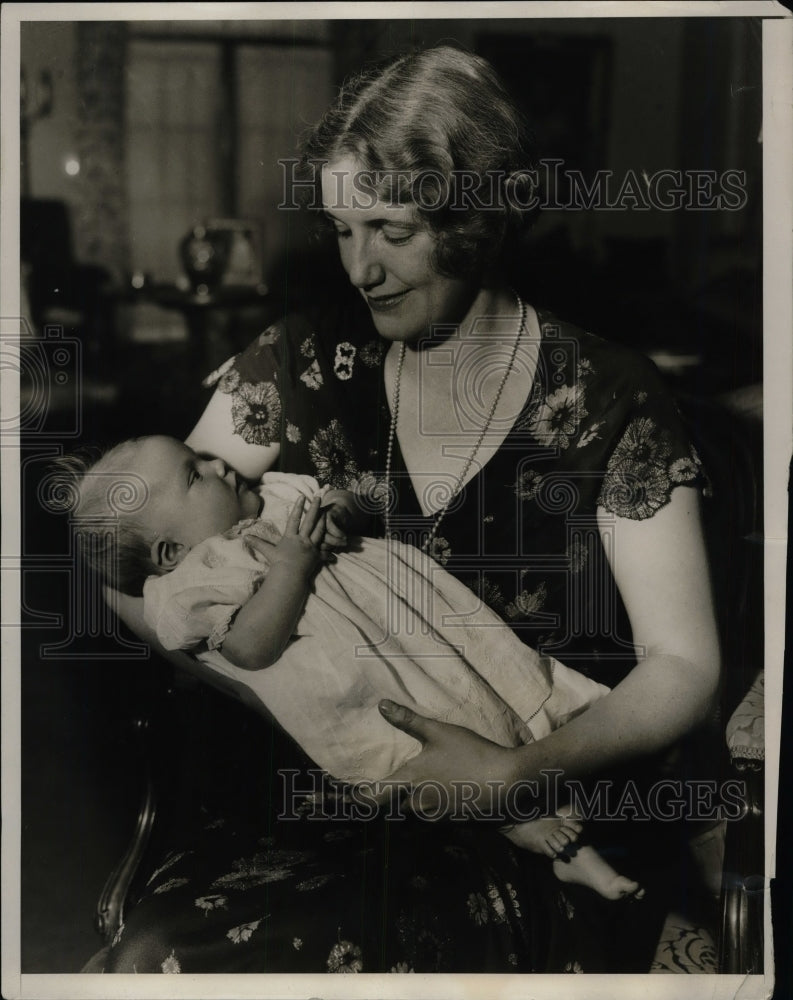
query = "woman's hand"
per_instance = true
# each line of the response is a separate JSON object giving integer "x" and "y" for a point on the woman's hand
{"x": 342, "y": 516}
{"x": 457, "y": 773}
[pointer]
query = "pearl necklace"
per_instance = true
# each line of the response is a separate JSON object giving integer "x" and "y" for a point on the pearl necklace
{"x": 439, "y": 516}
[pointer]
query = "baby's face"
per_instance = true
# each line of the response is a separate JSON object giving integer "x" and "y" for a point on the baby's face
{"x": 190, "y": 498}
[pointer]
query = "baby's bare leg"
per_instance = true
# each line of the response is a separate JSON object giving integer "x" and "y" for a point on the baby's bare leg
{"x": 557, "y": 837}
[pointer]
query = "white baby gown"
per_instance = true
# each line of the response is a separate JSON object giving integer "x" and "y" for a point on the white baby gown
{"x": 383, "y": 621}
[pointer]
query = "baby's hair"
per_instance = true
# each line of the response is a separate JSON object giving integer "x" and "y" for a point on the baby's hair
{"x": 101, "y": 485}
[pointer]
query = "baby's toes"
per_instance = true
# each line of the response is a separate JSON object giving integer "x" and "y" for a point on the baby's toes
{"x": 571, "y": 831}
{"x": 559, "y": 841}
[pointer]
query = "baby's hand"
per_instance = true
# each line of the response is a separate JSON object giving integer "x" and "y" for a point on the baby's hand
{"x": 300, "y": 544}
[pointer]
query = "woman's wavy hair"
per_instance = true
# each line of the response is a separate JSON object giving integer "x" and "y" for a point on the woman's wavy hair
{"x": 95, "y": 486}
{"x": 444, "y": 134}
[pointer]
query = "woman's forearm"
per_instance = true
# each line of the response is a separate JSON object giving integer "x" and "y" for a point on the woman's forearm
{"x": 659, "y": 702}
{"x": 265, "y": 624}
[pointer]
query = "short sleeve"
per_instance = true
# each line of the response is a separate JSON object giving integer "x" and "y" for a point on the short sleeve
{"x": 652, "y": 453}
{"x": 188, "y": 614}
{"x": 252, "y": 381}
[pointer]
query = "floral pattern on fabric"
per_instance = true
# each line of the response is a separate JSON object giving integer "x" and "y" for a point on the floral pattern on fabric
{"x": 332, "y": 457}
{"x": 256, "y": 412}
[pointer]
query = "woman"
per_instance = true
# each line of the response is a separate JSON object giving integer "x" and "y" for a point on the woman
{"x": 541, "y": 465}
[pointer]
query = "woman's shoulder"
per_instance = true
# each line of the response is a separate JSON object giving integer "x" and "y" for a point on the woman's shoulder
{"x": 605, "y": 362}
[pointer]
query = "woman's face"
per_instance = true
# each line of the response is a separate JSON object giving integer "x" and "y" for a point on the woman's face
{"x": 387, "y": 252}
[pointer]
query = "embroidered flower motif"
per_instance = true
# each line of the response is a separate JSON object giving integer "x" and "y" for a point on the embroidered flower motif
{"x": 309, "y": 347}
{"x": 343, "y": 361}
{"x": 372, "y": 353}
{"x": 168, "y": 863}
{"x": 640, "y": 397}
{"x": 635, "y": 492}
{"x": 497, "y": 905}
{"x": 243, "y": 932}
{"x": 401, "y": 967}
{"x": 212, "y": 902}
{"x": 488, "y": 592}
{"x": 636, "y": 483}
{"x": 583, "y": 368}
{"x": 171, "y": 963}
{"x": 559, "y": 417}
{"x": 512, "y": 958}
{"x": 589, "y": 435}
{"x": 566, "y": 907}
{"x": 683, "y": 470}
{"x": 259, "y": 869}
{"x": 256, "y": 412}
{"x": 440, "y": 550}
{"x": 293, "y": 435}
{"x": 297, "y": 943}
{"x": 526, "y": 603}
{"x": 172, "y": 883}
{"x": 528, "y": 484}
{"x": 573, "y": 967}
{"x": 640, "y": 445}
{"x": 214, "y": 376}
{"x": 477, "y": 908}
{"x": 312, "y": 376}
{"x": 332, "y": 456}
{"x": 345, "y": 957}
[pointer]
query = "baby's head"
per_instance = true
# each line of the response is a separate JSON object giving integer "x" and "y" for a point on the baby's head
{"x": 173, "y": 499}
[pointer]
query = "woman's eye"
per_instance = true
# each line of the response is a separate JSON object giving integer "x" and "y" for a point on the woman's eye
{"x": 397, "y": 236}
{"x": 341, "y": 233}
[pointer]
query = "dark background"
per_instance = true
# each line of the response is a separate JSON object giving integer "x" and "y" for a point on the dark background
{"x": 615, "y": 94}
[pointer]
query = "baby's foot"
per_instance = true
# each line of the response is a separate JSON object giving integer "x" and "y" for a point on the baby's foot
{"x": 550, "y": 836}
{"x": 583, "y": 865}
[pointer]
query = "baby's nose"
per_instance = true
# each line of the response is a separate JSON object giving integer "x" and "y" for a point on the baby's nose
{"x": 217, "y": 466}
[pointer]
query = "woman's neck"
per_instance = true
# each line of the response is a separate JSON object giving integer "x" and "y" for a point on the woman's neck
{"x": 494, "y": 312}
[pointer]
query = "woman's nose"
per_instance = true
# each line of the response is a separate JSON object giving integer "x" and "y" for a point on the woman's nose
{"x": 362, "y": 263}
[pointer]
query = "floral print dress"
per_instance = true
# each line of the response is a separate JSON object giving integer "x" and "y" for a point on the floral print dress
{"x": 322, "y": 894}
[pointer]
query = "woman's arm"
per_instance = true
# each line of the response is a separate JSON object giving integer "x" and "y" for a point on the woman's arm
{"x": 660, "y": 567}
{"x": 214, "y": 434}
{"x": 265, "y": 623}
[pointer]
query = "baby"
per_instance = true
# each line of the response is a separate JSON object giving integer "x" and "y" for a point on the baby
{"x": 323, "y": 635}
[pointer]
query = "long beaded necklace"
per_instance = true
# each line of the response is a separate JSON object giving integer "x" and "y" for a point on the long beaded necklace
{"x": 439, "y": 516}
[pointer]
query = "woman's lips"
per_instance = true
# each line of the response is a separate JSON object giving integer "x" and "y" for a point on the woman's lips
{"x": 385, "y": 303}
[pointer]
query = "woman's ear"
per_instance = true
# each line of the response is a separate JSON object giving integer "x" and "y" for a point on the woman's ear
{"x": 166, "y": 553}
